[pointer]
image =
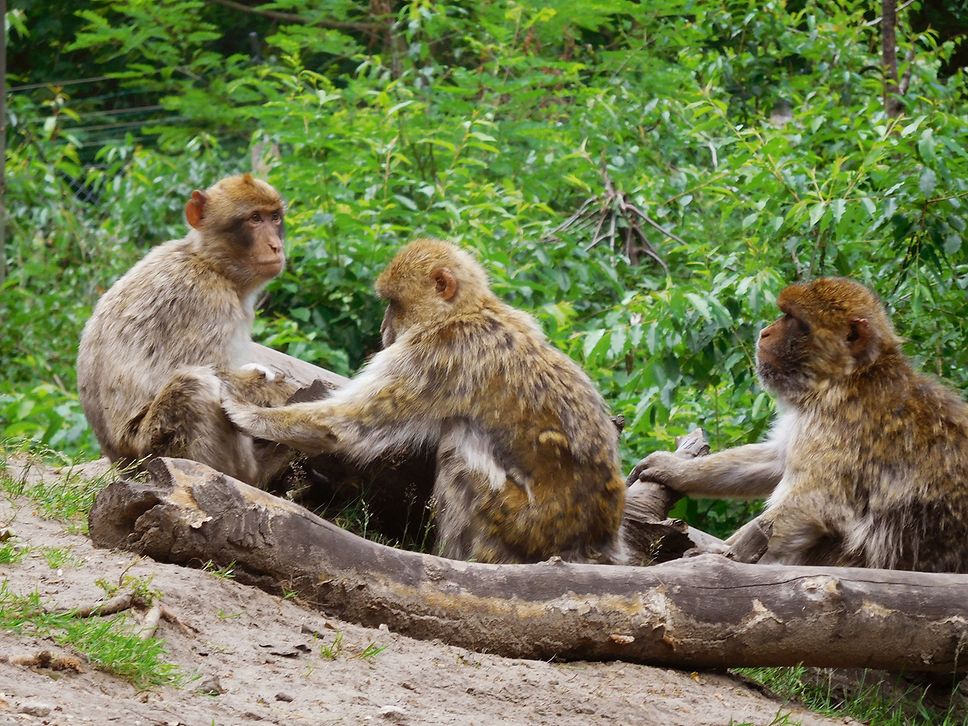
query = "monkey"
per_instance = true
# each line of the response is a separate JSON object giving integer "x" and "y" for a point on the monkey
{"x": 527, "y": 456}
{"x": 162, "y": 338}
{"x": 867, "y": 463}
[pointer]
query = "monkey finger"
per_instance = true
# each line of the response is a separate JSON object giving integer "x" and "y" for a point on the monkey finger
{"x": 635, "y": 473}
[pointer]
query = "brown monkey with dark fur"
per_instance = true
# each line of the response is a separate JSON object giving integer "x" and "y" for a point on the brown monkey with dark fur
{"x": 527, "y": 457}
{"x": 160, "y": 340}
{"x": 867, "y": 464}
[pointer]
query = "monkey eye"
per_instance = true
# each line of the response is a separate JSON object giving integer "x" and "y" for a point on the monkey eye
{"x": 802, "y": 325}
{"x": 276, "y": 216}
{"x": 255, "y": 217}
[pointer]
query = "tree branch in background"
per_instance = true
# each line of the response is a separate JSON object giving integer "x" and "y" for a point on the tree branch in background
{"x": 605, "y": 212}
{"x": 299, "y": 20}
{"x": 3, "y": 144}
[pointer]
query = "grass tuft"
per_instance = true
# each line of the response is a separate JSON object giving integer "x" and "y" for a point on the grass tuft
{"x": 105, "y": 642}
{"x": 870, "y": 699}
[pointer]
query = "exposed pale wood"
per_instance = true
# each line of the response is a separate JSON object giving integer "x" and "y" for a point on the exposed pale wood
{"x": 701, "y": 612}
{"x": 750, "y": 542}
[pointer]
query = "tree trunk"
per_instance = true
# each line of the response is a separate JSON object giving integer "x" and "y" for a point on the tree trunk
{"x": 892, "y": 103}
{"x": 702, "y": 612}
{"x": 649, "y": 536}
{"x": 3, "y": 144}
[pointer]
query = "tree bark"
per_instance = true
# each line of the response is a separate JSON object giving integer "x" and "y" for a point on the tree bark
{"x": 698, "y": 613}
{"x": 650, "y": 537}
{"x": 3, "y": 143}
{"x": 892, "y": 102}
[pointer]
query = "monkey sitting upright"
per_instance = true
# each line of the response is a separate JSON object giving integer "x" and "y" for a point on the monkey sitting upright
{"x": 160, "y": 339}
{"x": 867, "y": 464}
{"x": 527, "y": 457}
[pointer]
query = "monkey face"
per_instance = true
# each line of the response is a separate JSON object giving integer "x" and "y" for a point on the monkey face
{"x": 832, "y": 328}
{"x": 262, "y": 234}
{"x": 782, "y": 354}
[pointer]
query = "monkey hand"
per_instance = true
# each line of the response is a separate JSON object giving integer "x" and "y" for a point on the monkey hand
{"x": 257, "y": 368}
{"x": 662, "y": 467}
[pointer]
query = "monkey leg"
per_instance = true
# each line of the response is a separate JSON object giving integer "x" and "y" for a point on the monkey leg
{"x": 186, "y": 420}
{"x": 797, "y": 532}
{"x": 453, "y": 502}
{"x": 465, "y": 531}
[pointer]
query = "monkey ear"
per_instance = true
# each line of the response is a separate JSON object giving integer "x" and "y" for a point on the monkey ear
{"x": 195, "y": 209}
{"x": 446, "y": 283}
{"x": 859, "y": 338}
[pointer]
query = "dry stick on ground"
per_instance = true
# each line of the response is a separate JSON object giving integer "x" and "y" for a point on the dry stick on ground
{"x": 116, "y": 604}
{"x": 152, "y": 618}
{"x": 706, "y": 611}
{"x": 126, "y": 601}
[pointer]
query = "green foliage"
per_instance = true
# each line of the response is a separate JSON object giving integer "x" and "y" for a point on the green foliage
{"x": 11, "y": 552}
{"x": 753, "y": 134}
{"x": 68, "y": 499}
{"x": 223, "y": 573}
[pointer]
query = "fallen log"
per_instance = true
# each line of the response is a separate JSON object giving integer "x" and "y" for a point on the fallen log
{"x": 701, "y": 612}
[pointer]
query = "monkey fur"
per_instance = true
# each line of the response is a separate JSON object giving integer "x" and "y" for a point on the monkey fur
{"x": 867, "y": 464}
{"x": 527, "y": 457}
{"x": 164, "y": 336}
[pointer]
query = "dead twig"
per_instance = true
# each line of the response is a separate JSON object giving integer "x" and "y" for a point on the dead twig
{"x": 116, "y": 604}
{"x": 152, "y": 618}
{"x": 169, "y": 615}
{"x": 156, "y": 610}
{"x": 614, "y": 212}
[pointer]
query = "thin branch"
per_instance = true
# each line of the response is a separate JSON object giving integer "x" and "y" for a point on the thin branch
{"x": 116, "y": 604}
{"x": 653, "y": 223}
{"x": 298, "y": 19}
{"x": 906, "y": 80}
{"x": 876, "y": 21}
{"x": 152, "y": 618}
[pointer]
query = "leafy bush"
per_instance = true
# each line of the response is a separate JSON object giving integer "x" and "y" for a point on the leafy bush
{"x": 752, "y": 135}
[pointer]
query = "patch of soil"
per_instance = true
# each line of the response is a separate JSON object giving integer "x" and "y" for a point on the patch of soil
{"x": 260, "y": 659}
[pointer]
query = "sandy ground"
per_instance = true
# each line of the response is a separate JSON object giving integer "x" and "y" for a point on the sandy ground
{"x": 262, "y": 656}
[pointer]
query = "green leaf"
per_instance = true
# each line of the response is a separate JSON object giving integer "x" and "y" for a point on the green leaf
{"x": 837, "y": 207}
{"x": 592, "y": 339}
{"x": 926, "y": 147}
{"x": 700, "y": 304}
{"x": 816, "y": 212}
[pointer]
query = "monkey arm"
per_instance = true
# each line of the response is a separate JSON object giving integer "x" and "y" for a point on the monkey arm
{"x": 302, "y": 426}
{"x": 749, "y": 471}
{"x": 388, "y": 406}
